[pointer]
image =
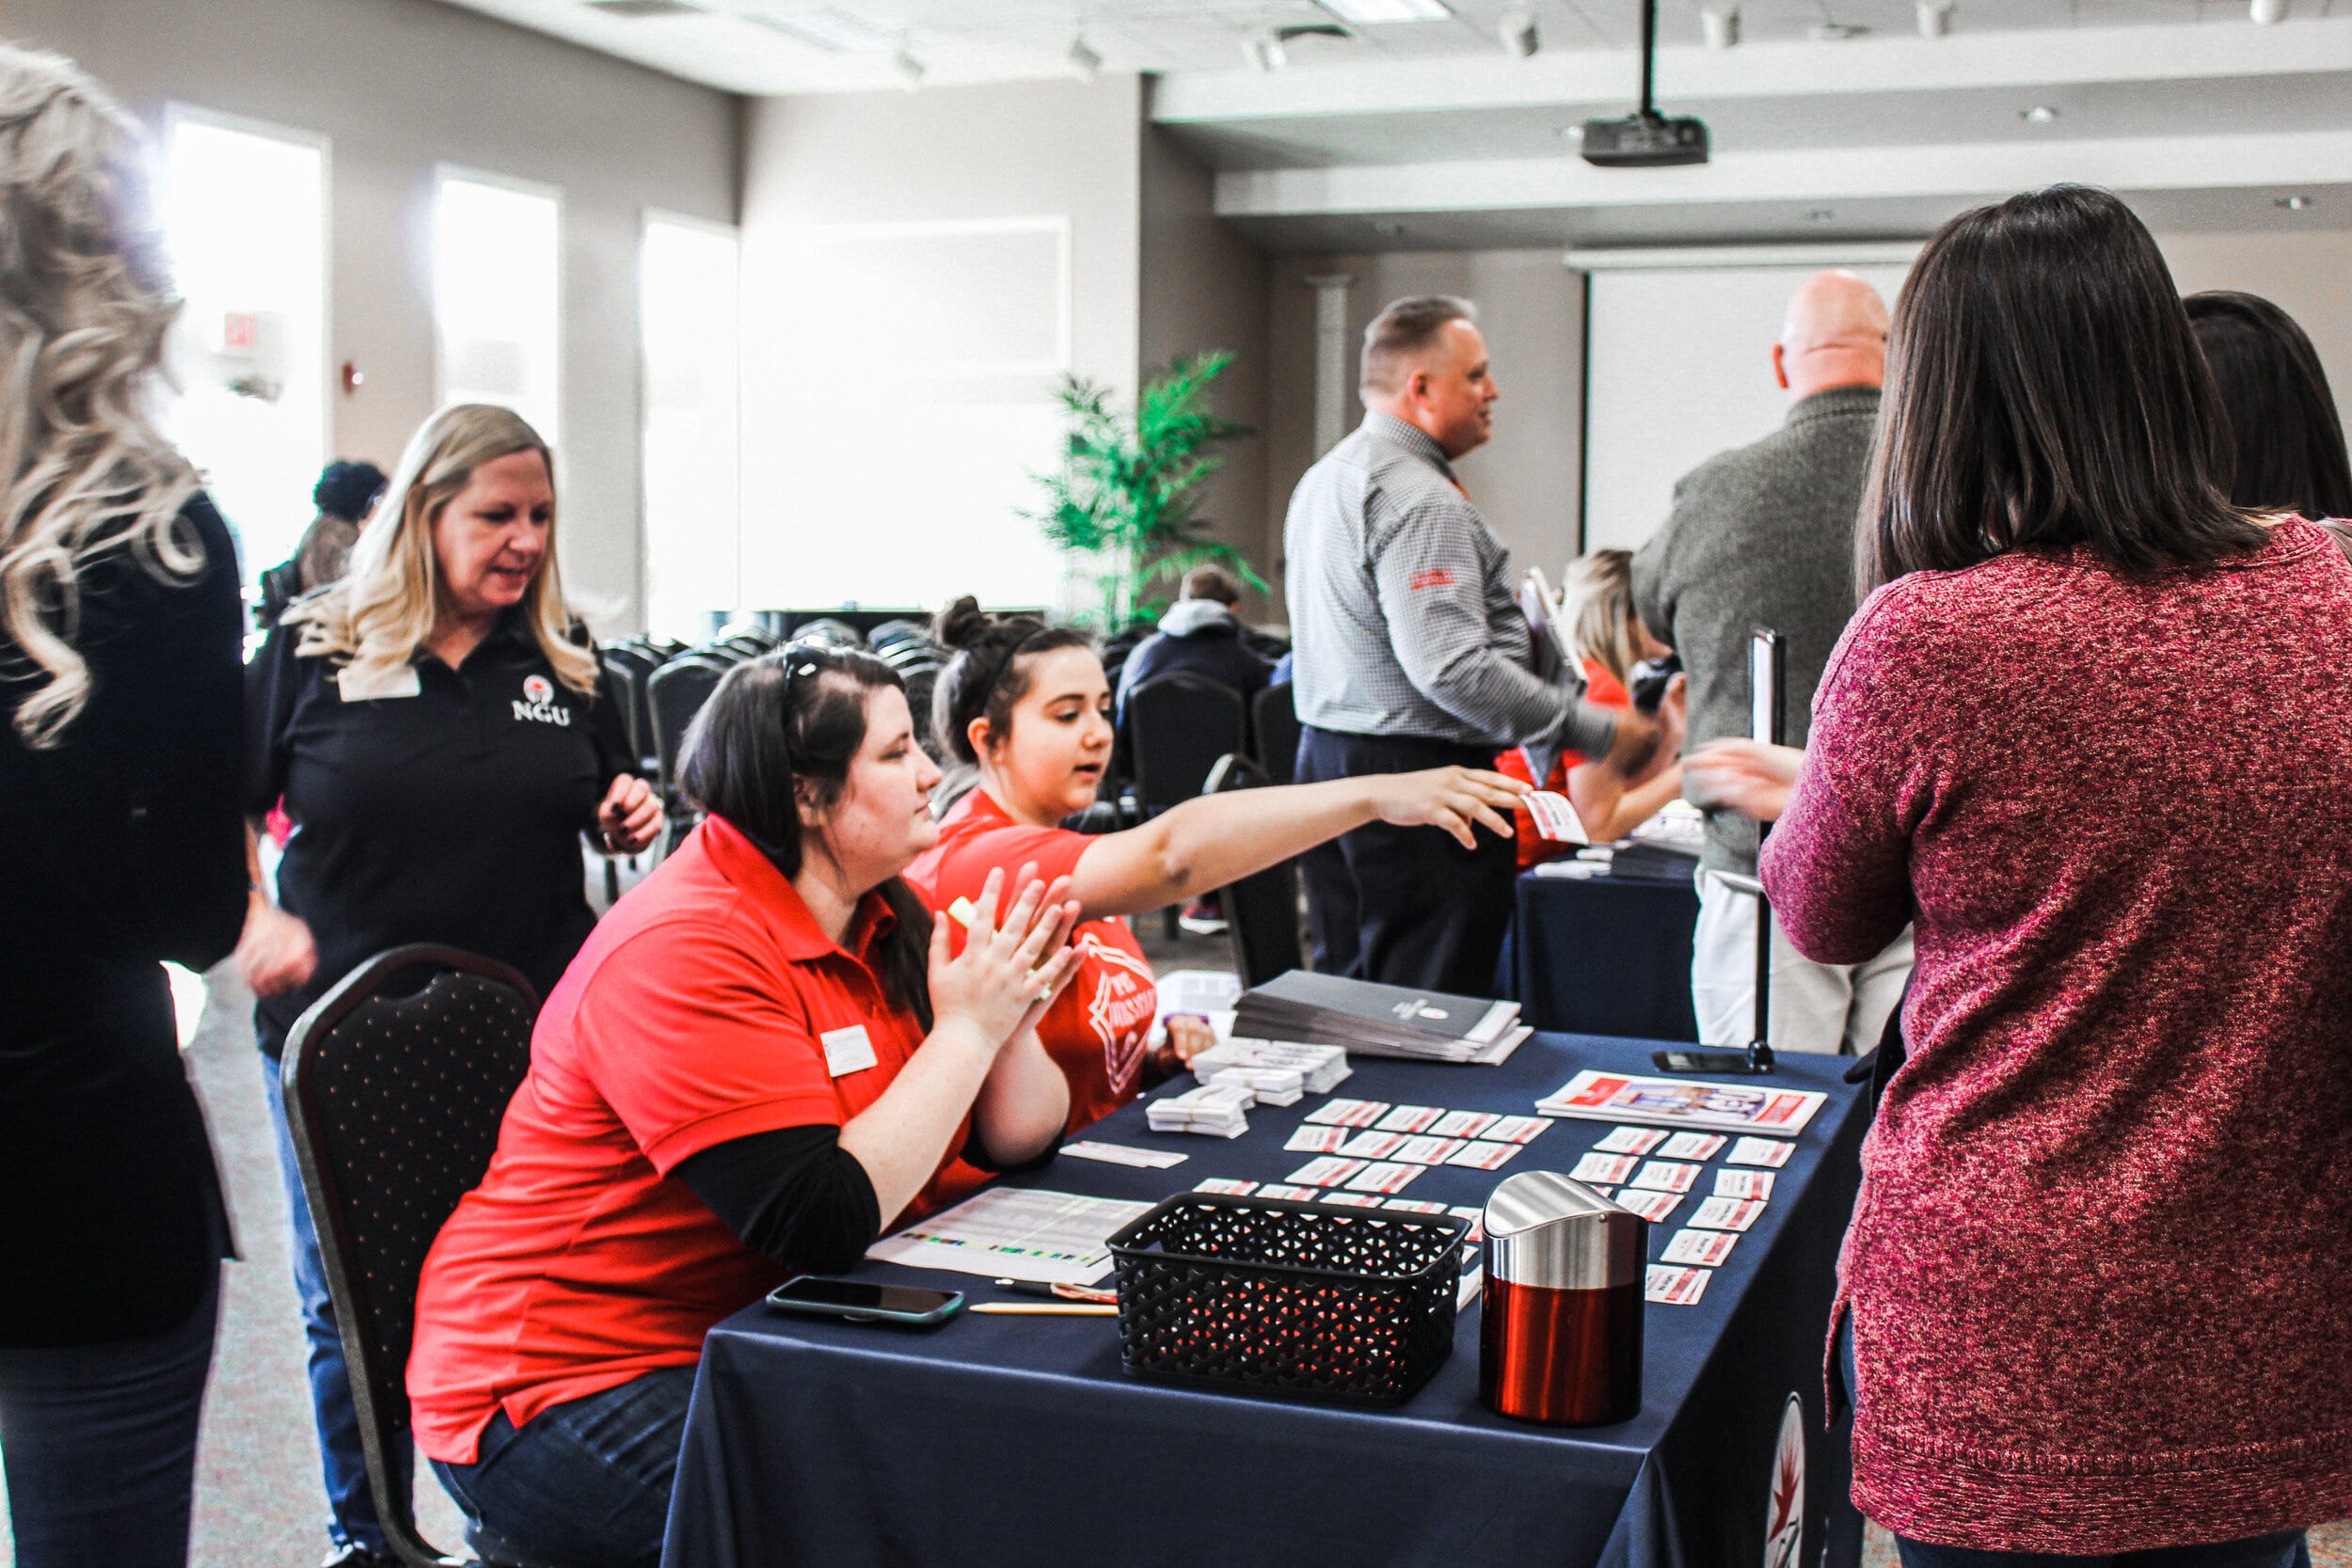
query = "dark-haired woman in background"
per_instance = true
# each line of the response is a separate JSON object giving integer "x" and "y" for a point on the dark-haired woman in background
{"x": 2288, "y": 442}
{"x": 1029, "y": 705}
{"x": 344, "y": 495}
{"x": 119, "y": 711}
{"x": 771, "y": 1017}
{"x": 2097, "y": 1285}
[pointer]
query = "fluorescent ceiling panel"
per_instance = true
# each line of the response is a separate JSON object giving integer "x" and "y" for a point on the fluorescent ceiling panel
{"x": 1371, "y": 12}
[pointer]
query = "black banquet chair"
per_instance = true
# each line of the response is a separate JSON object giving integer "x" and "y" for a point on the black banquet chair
{"x": 675, "y": 694}
{"x": 1177, "y": 727}
{"x": 394, "y": 1098}
{"x": 1261, "y": 911}
{"x": 1274, "y": 721}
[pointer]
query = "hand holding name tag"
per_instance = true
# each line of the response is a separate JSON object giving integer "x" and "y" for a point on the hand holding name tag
{"x": 1448, "y": 797}
{"x": 1006, "y": 977}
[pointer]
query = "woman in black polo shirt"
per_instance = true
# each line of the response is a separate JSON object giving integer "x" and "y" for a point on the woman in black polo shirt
{"x": 437, "y": 728}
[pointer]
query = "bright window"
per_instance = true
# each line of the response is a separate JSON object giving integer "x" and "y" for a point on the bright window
{"x": 497, "y": 296}
{"x": 693, "y": 480}
{"x": 245, "y": 213}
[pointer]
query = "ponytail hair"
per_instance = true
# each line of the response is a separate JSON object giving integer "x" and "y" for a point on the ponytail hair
{"x": 794, "y": 718}
{"x": 987, "y": 676}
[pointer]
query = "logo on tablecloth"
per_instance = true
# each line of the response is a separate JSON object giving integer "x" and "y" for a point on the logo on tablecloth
{"x": 1784, "y": 1527}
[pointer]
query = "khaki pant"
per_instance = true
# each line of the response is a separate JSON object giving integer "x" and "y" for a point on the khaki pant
{"x": 1838, "y": 1008}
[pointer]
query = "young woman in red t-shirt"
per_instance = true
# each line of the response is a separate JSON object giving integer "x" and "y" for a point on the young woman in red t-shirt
{"x": 762, "y": 1056}
{"x": 1030, "y": 706}
{"x": 1611, "y": 641}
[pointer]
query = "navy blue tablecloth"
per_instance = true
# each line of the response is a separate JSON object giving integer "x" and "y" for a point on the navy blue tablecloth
{"x": 1606, "y": 955}
{"x": 1012, "y": 1441}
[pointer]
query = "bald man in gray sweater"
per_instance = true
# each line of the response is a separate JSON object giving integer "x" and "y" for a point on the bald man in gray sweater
{"x": 1763, "y": 536}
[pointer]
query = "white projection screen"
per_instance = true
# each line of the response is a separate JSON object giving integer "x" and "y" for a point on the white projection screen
{"x": 1680, "y": 368}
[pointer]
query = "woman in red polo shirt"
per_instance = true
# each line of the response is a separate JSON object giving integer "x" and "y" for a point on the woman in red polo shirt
{"x": 1029, "y": 705}
{"x": 762, "y": 1056}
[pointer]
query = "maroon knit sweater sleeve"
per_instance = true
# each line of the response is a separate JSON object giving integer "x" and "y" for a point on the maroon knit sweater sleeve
{"x": 1837, "y": 866}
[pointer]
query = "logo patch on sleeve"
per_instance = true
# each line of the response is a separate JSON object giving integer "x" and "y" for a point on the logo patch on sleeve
{"x": 1432, "y": 577}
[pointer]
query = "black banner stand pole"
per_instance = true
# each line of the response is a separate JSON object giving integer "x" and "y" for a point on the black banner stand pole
{"x": 1767, "y": 670}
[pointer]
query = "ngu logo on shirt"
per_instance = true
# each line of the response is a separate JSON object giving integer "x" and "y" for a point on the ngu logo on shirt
{"x": 538, "y": 703}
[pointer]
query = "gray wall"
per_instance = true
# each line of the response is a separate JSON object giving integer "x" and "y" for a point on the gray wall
{"x": 401, "y": 86}
{"x": 1532, "y": 311}
{"x": 1204, "y": 287}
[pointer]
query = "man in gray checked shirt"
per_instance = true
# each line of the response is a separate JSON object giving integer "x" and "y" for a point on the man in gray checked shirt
{"x": 1410, "y": 652}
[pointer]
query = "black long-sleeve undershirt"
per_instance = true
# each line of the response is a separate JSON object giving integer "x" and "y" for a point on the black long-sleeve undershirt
{"x": 796, "y": 1197}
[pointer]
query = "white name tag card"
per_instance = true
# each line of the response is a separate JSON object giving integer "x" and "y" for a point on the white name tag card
{"x": 846, "y": 1051}
{"x": 401, "y": 682}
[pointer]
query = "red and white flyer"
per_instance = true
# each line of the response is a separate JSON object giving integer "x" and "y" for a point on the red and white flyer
{"x": 1676, "y": 1287}
{"x": 1683, "y": 1103}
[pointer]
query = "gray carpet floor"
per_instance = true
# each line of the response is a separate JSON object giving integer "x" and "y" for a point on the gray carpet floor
{"x": 259, "y": 1503}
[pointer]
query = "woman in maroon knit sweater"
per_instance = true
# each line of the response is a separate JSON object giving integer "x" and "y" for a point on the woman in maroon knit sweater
{"x": 2094, "y": 737}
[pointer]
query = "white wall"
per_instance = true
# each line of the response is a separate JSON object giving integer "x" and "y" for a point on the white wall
{"x": 401, "y": 86}
{"x": 2309, "y": 275}
{"x": 854, "y": 430}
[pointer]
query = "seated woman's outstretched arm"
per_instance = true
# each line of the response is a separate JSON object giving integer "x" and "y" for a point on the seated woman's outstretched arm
{"x": 1215, "y": 840}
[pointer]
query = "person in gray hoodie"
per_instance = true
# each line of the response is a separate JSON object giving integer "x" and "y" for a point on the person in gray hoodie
{"x": 1197, "y": 636}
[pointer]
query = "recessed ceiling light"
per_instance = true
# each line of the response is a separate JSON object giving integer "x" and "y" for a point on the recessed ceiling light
{"x": 2292, "y": 203}
{"x": 2267, "y": 14}
{"x": 839, "y": 31}
{"x": 1264, "y": 52}
{"x": 1370, "y": 12}
{"x": 2040, "y": 114}
{"x": 1572, "y": 133}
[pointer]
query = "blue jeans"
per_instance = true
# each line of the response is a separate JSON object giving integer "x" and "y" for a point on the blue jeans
{"x": 586, "y": 1484}
{"x": 2285, "y": 1549}
{"x": 351, "y": 1506}
{"x": 99, "y": 1446}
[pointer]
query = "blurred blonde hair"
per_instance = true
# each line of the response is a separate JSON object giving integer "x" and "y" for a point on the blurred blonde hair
{"x": 85, "y": 302}
{"x": 1598, "y": 595}
{"x": 384, "y": 609}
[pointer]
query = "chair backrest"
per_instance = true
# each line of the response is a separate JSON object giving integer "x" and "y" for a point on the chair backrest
{"x": 394, "y": 1102}
{"x": 1276, "y": 726}
{"x": 675, "y": 694}
{"x": 1179, "y": 725}
{"x": 1261, "y": 911}
{"x": 894, "y": 631}
{"x": 641, "y": 661}
{"x": 826, "y": 629}
{"x": 621, "y": 676}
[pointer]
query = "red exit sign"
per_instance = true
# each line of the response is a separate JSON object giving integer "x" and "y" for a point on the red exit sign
{"x": 240, "y": 329}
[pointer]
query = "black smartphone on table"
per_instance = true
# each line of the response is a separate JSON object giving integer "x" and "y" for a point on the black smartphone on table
{"x": 859, "y": 1301}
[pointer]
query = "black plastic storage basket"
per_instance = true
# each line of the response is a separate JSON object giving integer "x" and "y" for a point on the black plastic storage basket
{"x": 1296, "y": 1298}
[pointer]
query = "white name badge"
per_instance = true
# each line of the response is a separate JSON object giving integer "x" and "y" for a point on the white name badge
{"x": 846, "y": 1051}
{"x": 401, "y": 682}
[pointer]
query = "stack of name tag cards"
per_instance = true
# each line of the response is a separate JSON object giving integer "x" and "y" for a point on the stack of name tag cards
{"x": 1319, "y": 1069}
{"x": 1217, "y": 1110}
{"x": 1670, "y": 1127}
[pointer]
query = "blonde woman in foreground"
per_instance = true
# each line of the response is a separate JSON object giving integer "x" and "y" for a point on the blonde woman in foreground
{"x": 438, "y": 729}
{"x": 119, "y": 760}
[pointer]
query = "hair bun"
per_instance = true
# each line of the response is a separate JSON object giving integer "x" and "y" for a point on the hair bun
{"x": 963, "y": 624}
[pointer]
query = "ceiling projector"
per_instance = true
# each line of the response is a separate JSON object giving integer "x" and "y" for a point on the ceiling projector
{"x": 1646, "y": 138}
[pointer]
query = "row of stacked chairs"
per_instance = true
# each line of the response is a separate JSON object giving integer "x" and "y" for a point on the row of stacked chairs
{"x": 661, "y": 684}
